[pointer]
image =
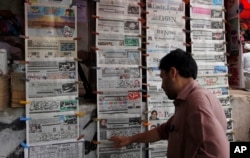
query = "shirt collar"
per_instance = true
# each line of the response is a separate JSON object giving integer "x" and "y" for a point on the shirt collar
{"x": 187, "y": 90}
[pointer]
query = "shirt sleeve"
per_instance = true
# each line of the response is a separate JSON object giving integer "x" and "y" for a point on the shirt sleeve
{"x": 163, "y": 129}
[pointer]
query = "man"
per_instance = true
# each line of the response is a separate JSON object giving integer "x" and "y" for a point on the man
{"x": 198, "y": 127}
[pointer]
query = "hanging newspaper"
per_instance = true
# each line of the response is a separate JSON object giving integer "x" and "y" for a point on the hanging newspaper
{"x": 213, "y": 81}
{"x": 210, "y": 56}
{"x": 51, "y": 70}
{"x": 118, "y": 57}
{"x": 166, "y": 5}
{"x": 127, "y": 102}
{"x": 60, "y": 150}
{"x": 208, "y": 46}
{"x": 208, "y": 2}
{"x": 121, "y": 78}
{"x": 207, "y": 12}
{"x": 204, "y": 23}
{"x": 117, "y": 125}
{"x": 118, "y": 8}
{"x": 51, "y": 89}
{"x": 58, "y": 2}
{"x": 211, "y": 69}
{"x": 208, "y": 35}
{"x": 52, "y": 128}
{"x": 116, "y": 41}
{"x": 225, "y": 100}
{"x": 172, "y": 19}
{"x": 119, "y": 26}
{"x": 48, "y": 105}
{"x": 160, "y": 111}
{"x": 221, "y": 91}
{"x": 166, "y": 45}
{"x": 50, "y": 21}
{"x": 50, "y": 48}
{"x": 154, "y": 57}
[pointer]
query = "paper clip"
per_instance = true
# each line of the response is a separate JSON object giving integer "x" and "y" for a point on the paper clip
{"x": 145, "y": 84}
{"x": 148, "y": 148}
{"x": 24, "y": 102}
{"x": 24, "y": 145}
{"x": 143, "y": 90}
{"x": 96, "y": 119}
{"x": 188, "y": 44}
{"x": 224, "y": 9}
{"x": 144, "y": 12}
{"x": 95, "y": 33}
{"x": 143, "y": 67}
{"x": 24, "y": 79}
{"x": 141, "y": 49}
{"x": 146, "y": 55}
{"x": 146, "y": 123}
{"x": 77, "y": 38}
{"x": 225, "y": 42}
{"x": 186, "y": 18}
{"x": 142, "y": 20}
{"x": 145, "y": 27}
{"x": 142, "y": 36}
{"x": 25, "y": 119}
{"x": 80, "y": 114}
{"x": 141, "y": 4}
{"x": 94, "y": 48}
{"x": 29, "y": 2}
{"x": 80, "y": 137}
{"x": 147, "y": 43}
{"x": 95, "y": 16}
{"x": 23, "y": 36}
{"x": 187, "y": 31}
{"x": 78, "y": 59}
{"x": 94, "y": 67}
{"x": 146, "y": 96}
{"x": 96, "y": 142}
{"x": 224, "y": 20}
{"x": 79, "y": 82}
{"x": 147, "y": 112}
{"x": 186, "y": 1}
{"x": 97, "y": 92}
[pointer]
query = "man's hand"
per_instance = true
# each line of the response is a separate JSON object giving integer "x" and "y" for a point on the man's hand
{"x": 120, "y": 141}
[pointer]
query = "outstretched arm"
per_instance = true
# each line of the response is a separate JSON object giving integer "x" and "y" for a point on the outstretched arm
{"x": 145, "y": 137}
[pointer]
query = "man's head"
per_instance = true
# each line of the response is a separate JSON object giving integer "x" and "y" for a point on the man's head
{"x": 178, "y": 68}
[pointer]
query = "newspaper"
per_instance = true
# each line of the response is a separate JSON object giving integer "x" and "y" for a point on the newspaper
{"x": 207, "y": 35}
{"x": 205, "y": 11}
{"x": 208, "y": 69}
{"x": 118, "y": 41}
{"x": 213, "y": 81}
{"x": 48, "y": 105}
{"x": 51, "y": 70}
{"x": 208, "y": 46}
{"x": 120, "y": 78}
{"x": 163, "y": 110}
{"x": 208, "y": 2}
{"x": 50, "y": 21}
{"x": 51, "y": 128}
{"x": 210, "y": 56}
{"x": 50, "y": 48}
{"x": 166, "y": 45}
{"x": 126, "y": 102}
{"x": 166, "y": 5}
{"x": 118, "y": 8}
{"x": 221, "y": 91}
{"x": 59, "y": 150}
{"x": 153, "y": 74}
{"x": 118, "y": 57}
{"x": 207, "y": 23}
{"x": 119, "y": 26}
{"x": 173, "y": 19}
{"x": 225, "y": 100}
{"x": 51, "y": 89}
{"x": 114, "y": 125}
{"x": 66, "y": 2}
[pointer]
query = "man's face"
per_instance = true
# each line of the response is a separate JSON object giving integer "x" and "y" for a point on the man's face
{"x": 167, "y": 84}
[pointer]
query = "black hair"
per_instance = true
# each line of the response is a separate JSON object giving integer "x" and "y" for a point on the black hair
{"x": 154, "y": 111}
{"x": 182, "y": 61}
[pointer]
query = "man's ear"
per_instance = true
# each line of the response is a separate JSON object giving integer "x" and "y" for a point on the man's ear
{"x": 173, "y": 72}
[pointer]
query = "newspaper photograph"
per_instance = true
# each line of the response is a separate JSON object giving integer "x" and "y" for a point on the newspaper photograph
{"x": 51, "y": 89}
{"x": 230, "y": 136}
{"x": 153, "y": 74}
{"x": 229, "y": 125}
{"x": 52, "y": 128}
{"x": 207, "y": 24}
{"x": 208, "y": 2}
{"x": 210, "y": 56}
{"x": 172, "y": 19}
{"x": 127, "y": 102}
{"x": 50, "y": 48}
{"x": 119, "y": 26}
{"x": 55, "y": 104}
{"x": 228, "y": 112}
{"x": 161, "y": 34}
{"x": 213, "y": 81}
{"x": 118, "y": 41}
{"x": 58, "y": 150}
{"x": 205, "y": 11}
{"x": 120, "y": 78}
{"x": 118, "y": 57}
{"x": 118, "y": 8}
{"x": 50, "y": 21}
{"x": 208, "y": 46}
{"x": 166, "y": 5}
{"x": 122, "y": 125}
{"x": 207, "y": 69}
{"x": 51, "y": 70}
{"x": 225, "y": 100}
{"x": 160, "y": 111}
{"x": 212, "y": 35}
